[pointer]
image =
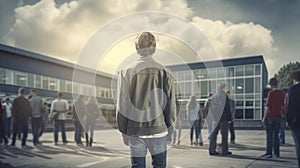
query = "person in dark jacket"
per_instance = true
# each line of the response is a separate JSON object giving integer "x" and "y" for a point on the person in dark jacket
{"x": 92, "y": 114}
{"x": 22, "y": 111}
{"x": 79, "y": 112}
{"x": 2, "y": 125}
{"x": 146, "y": 107}
{"x": 221, "y": 115}
{"x": 293, "y": 111}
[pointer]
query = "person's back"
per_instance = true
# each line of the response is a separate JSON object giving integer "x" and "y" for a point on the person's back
{"x": 21, "y": 108}
{"x": 276, "y": 102}
{"x": 37, "y": 106}
{"x": 146, "y": 106}
{"x": 293, "y": 115}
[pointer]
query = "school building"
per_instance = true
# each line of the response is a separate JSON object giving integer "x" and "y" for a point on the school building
{"x": 245, "y": 77}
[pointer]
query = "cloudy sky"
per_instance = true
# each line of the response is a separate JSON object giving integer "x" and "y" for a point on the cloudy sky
{"x": 233, "y": 28}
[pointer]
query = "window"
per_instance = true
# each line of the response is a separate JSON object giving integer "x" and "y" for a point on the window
{"x": 204, "y": 74}
{"x": 197, "y": 89}
{"x": 239, "y": 71}
{"x": 38, "y": 81}
{"x": 249, "y": 113}
{"x": 45, "y": 82}
{"x": 239, "y": 103}
{"x": 69, "y": 86}
{"x": 62, "y": 85}
{"x": 239, "y": 86}
{"x": 52, "y": 84}
{"x": 249, "y": 85}
{"x": 188, "y": 88}
{"x": 30, "y": 80}
{"x": 249, "y": 103}
{"x": 257, "y": 114}
{"x": 21, "y": 78}
{"x": 230, "y": 72}
{"x": 230, "y": 85}
{"x": 258, "y": 85}
{"x": 213, "y": 86}
{"x": 257, "y": 69}
{"x": 249, "y": 70}
{"x": 197, "y": 74}
{"x": 2, "y": 76}
{"x": 204, "y": 89}
{"x": 188, "y": 75}
{"x": 221, "y": 73}
{"x": 239, "y": 114}
{"x": 212, "y": 73}
{"x": 181, "y": 76}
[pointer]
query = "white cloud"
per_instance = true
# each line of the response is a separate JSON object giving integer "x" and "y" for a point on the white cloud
{"x": 242, "y": 39}
{"x": 61, "y": 31}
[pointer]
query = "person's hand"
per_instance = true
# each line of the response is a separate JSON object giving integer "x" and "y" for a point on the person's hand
{"x": 263, "y": 121}
{"x": 125, "y": 140}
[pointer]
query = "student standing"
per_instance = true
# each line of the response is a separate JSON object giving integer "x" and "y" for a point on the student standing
{"x": 207, "y": 115}
{"x": 221, "y": 115}
{"x": 192, "y": 109}
{"x": 36, "y": 120}
{"x": 92, "y": 114}
{"x": 231, "y": 125}
{"x": 146, "y": 107}
{"x": 272, "y": 118}
{"x": 79, "y": 113}
{"x": 293, "y": 111}
{"x": 58, "y": 110}
{"x": 2, "y": 128}
{"x": 8, "y": 117}
{"x": 21, "y": 111}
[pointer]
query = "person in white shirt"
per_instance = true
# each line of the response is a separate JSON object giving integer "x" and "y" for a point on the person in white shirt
{"x": 58, "y": 110}
{"x": 8, "y": 115}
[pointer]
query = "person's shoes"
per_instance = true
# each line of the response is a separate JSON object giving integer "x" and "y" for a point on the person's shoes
{"x": 227, "y": 153}
{"x": 266, "y": 155}
{"x": 277, "y": 156}
{"x": 201, "y": 143}
{"x": 65, "y": 143}
{"x": 12, "y": 144}
{"x": 232, "y": 142}
{"x": 178, "y": 143}
{"x": 55, "y": 143}
{"x": 192, "y": 143}
{"x": 6, "y": 142}
{"x": 25, "y": 147}
{"x": 214, "y": 153}
{"x": 80, "y": 143}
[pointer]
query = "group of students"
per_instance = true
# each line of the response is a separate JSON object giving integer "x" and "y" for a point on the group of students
{"x": 32, "y": 109}
{"x": 20, "y": 112}
{"x": 217, "y": 114}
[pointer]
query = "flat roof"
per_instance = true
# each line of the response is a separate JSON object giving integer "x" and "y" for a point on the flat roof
{"x": 220, "y": 63}
{"x": 49, "y": 59}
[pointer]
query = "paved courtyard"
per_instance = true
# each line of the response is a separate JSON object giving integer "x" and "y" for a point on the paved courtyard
{"x": 109, "y": 151}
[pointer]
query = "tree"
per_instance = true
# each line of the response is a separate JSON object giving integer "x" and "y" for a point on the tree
{"x": 284, "y": 74}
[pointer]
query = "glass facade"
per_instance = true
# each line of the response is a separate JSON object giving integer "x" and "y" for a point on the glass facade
{"x": 243, "y": 81}
{"x": 18, "y": 78}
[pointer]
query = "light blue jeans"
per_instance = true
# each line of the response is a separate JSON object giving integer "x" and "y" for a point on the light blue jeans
{"x": 156, "y": 146}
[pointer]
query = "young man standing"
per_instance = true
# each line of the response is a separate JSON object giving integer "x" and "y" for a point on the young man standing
{"x": 221, "y": 117}
{"x": 7, "y": 117}
{"x": 146, "y": 107}
{"x": 21, "y": 111}
{"x": 232, "y": 110}
{"x": 36, "y": 120}
{"x": 272, "y": 118}
{"x": 58, "y": 110}
{"x": 293, "y": 111}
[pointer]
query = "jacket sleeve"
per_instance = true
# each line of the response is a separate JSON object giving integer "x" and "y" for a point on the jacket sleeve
{"x": 170, "y": 109}
{"x": 122, "y": 98}
{"x": 290, "y": 114}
